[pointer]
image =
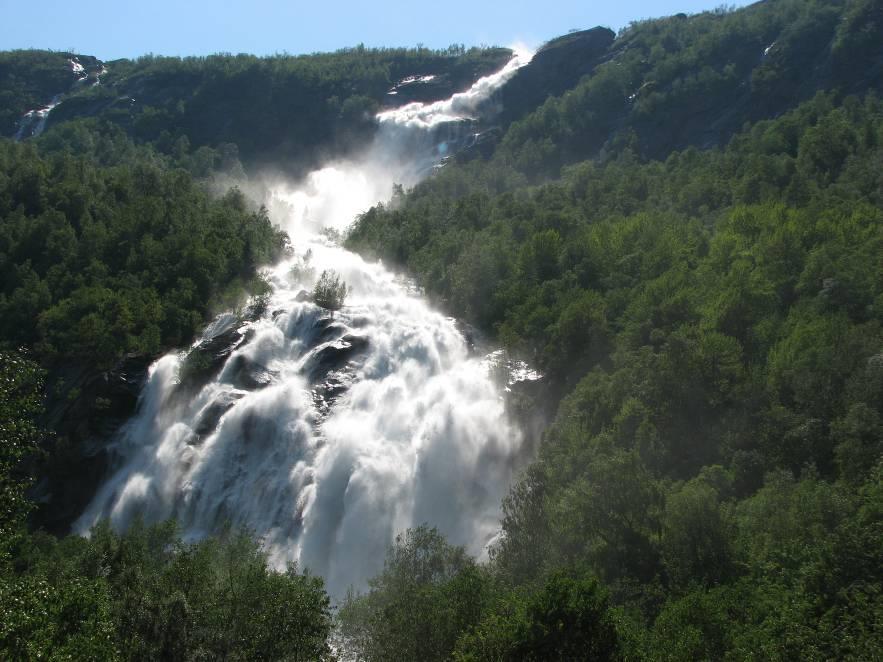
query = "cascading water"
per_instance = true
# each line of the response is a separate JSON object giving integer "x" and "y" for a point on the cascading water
{"x": 33, "y": 122}
{"x": 328, "y": 434}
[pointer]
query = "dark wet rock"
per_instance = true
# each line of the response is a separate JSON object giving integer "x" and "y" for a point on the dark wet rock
{"x": 205, "y": 361}
{"x": 555, "y": 68}
{"x": 334, "y": 356}
{"x": 335, "y": 384}
{"x": 531, "y": 406}
{"x": 481, "y": 145}
{"x": 211, "y": 416}
{"x": 419, "y": 88}
{"x": 78, "y": 393}
{"x": 249, "y": 375}
{"x": 302, "y": 296}
{"x": 331, "y": 331}
{"x": 117, "y": 390}
{"x": 222, "y": 345}
{"x": 533, "y": 387}
{"x": 471, "y": 335}
{"x": 258, "y": 429}
{"x": 313, "y": 329}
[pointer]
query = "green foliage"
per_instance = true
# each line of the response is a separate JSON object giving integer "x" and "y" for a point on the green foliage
{"x": 695, "y": 540}
{"x": 100, "y": 261}
{"x": 680, "y": 81}
{"x": 432, "y": 602}
{"x": 147, "y": 595}
{"x": 330, "y": 291}
{"x": 282, "y": 109}
{"x": 56, "y": 621}
{"x": 566, "y": 619}
{"x": 216, "y": 598}
{"x": 144, "y": 594}
{"x": 28, "y": 80}
{"x": 428, "y": 593}
{"x": 712, "y": 325}
{"x": 20, "y": 403}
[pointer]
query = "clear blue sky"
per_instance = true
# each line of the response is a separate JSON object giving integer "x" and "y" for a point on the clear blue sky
{"x": 127, "y": 28}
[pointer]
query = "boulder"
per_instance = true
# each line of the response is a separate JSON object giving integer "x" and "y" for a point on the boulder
{"x": 334, "y": 356}
{"x": 210, "y": 416}
{"x": 249, "y": 375}
{"x": 205, "y": 360}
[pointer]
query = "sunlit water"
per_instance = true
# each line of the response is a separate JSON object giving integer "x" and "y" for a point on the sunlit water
{"x": 33, "y": 122}
{"x": 327, "y": 435}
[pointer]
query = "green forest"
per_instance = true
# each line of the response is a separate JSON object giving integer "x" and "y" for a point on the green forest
{"x": 283, "y": 111}
{"x": 688, "y": 244}
{"x": 716, "y": 339}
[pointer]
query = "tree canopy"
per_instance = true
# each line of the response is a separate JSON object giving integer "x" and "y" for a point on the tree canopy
{"x": 330, "y": 291}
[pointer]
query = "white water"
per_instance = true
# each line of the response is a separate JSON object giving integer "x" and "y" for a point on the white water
{"x": 33, "y": 122}
{"x": 417, "y": 432}
{"x": 460, "y": 106}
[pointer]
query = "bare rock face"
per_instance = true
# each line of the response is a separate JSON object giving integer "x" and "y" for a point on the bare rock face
{"x": 440, "y": 81}
{"x": 555, "y": 68}
{"x": 210, "y": 416}
{"x": 334, "y": 356}
{"x": 249, "y": 375}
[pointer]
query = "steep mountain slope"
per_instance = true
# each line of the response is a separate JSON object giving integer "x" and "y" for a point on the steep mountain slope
{"x": 29, "y": 80}
{"x": 679, "y": 226}
{"x": 667, "y": 84}
{"x": 687, "y": 243}
{"x": 111, "y": 251}
{"x": 285, "y": 111}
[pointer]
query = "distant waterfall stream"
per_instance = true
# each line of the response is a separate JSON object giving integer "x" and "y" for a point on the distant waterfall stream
{"x": 327, "y": 434}
{"x": 33, "y": 122}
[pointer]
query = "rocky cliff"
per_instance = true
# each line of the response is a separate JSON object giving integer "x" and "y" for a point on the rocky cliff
{"x": 557, "y": 67}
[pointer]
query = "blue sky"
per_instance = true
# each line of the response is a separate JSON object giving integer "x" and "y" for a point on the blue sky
{"x": 123, "y": 28}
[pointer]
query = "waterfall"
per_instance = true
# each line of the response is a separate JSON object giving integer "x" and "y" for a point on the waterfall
{"x": 33, "y": 122}
{"x": 327, "y": 434}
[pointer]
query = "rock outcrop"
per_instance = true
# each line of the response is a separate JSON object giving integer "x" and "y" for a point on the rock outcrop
{"x": 555, "y": 68}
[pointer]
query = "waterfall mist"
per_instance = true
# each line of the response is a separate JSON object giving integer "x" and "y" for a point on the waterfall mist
{"x": 327, "y": 434}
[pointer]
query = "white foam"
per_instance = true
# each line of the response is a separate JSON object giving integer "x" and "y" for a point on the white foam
{"x": 420, "y": 434}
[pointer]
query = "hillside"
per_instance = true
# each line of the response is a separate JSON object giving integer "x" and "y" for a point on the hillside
{"x": 281, "y": 111}
{"x": 687, "y": 243}
{"x": 680, "y": 227}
